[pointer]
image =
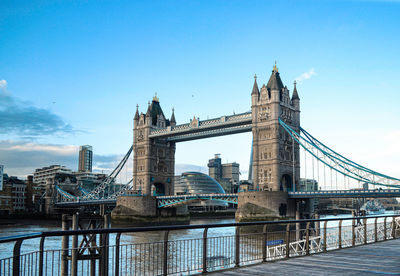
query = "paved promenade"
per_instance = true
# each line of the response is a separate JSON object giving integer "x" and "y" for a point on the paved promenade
{"x": 373, "y": 259}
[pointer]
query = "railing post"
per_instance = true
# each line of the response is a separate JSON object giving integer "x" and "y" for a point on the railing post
{"x": 393, "y": 228}
{"x": 264, "y": 245}
{"x": 353, "y": 232}
{"x": 17, "y": 258}
{"x": 93, "y": 245}
{"x": 117, "y": 244}
{"x": 365, "y": 230}
{"x": 237, "y": 246}
{"x": 384, "y": 229}
{"x": 64, "y": 246}
{"x": 288, "y": 240}
{"x": 205, "y": 250}
{"x": 340, "y": 234}
{"x": 41, "y": 252}
{"x": 105, "y": 247}
{"x": 325, "y": 248}
{"x": 165, "y": 255}
{"x": 74, "y": 249}
{"x": 308, "y": 238}
{"x": 376, "y": 229}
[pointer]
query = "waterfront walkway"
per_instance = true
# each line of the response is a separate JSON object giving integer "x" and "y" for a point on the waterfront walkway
{"x": 372, "y": 259}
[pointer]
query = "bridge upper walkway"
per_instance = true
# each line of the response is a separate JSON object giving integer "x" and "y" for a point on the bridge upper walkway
{"x": 197, "y": 129}
{"x": 174, "y": 200}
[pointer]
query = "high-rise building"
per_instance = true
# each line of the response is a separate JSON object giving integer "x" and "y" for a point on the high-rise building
{"x": 85, "y": 158}
{"x": 226, "y": 174}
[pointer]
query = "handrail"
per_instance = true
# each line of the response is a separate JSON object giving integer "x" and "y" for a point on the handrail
{"x": 171, "y": 228}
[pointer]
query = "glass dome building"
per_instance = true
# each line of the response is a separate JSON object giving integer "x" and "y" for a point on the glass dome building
{"x": 191, "y": 183}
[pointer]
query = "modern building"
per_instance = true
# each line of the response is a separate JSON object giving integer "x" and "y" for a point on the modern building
{"x": 192, "y": 183}
{"x": 226, "y": 174}
{"x": 85, "y": 158}
{"x": 307, "y": 185}
{"x": 41, "y": 175}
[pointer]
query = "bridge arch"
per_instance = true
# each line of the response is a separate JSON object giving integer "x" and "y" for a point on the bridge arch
{"x": 158, "y": 189}
{"x": 286, "y": 183}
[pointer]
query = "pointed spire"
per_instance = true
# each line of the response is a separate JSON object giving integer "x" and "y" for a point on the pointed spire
{"x": 137, "y": 113}
{"x": 255, "y": 91}
{"x": 275, "y": 68}
{"x": 295, "y": 95}
{"x": 275, "y": 81}
{"x": 155, "y": 98}
{"x": 148, "y": 110}
{"x": 173, "y": 122}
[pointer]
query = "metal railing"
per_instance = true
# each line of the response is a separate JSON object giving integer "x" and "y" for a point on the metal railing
{"x": 104, "y": 252}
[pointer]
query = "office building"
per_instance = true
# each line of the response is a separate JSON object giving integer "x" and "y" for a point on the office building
{"x": 226, "y": 174}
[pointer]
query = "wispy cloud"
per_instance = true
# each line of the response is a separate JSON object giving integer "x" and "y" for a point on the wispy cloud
{"x": 3, "y": 84}
{"x": 306, "y": 75}
{"x": 22, "y": 118}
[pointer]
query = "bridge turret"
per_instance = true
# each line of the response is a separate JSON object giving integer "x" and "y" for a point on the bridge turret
{"x": 173, "y": 121}
{"x": 255, "y": 93}
{"x": 296, "y": 105}
{"x": 136, "y": 118}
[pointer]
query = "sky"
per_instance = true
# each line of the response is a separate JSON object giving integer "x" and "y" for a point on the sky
{"x": 72, "y": 73}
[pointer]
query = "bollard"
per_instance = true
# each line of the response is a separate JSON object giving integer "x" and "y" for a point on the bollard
{"x": 205, "y": 250}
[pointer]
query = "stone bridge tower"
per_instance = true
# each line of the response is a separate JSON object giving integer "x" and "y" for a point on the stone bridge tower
{"x": 276, "y": 165}
{"x": 153, "y": 159}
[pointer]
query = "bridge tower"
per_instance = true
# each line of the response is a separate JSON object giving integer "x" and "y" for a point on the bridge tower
{"x": 153, "y": 159}
{"x": 275, "y": 156}
{"x": 276, "y": 165}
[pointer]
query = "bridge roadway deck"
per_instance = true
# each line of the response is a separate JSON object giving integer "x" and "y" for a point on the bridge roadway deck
{"x": 372, "y": 259}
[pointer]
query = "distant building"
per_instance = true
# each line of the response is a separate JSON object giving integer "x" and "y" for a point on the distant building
{"x": 13, "y": 195}
{"x": 85, "y": 158}
{"x": 41, "y": 175}
{"x": 307, "y": 185}
{"x": 226, "y": 174}
{"x": 192, "y": 183}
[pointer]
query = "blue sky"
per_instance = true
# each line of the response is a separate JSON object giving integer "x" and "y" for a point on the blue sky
{"x": 72, "y": 72}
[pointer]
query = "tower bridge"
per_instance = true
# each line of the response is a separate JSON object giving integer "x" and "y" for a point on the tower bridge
{"x": 277, "y": 143}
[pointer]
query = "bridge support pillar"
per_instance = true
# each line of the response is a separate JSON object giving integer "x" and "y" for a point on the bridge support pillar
{"x": 143, "y": 210}
{"x": 264, "y": 205}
